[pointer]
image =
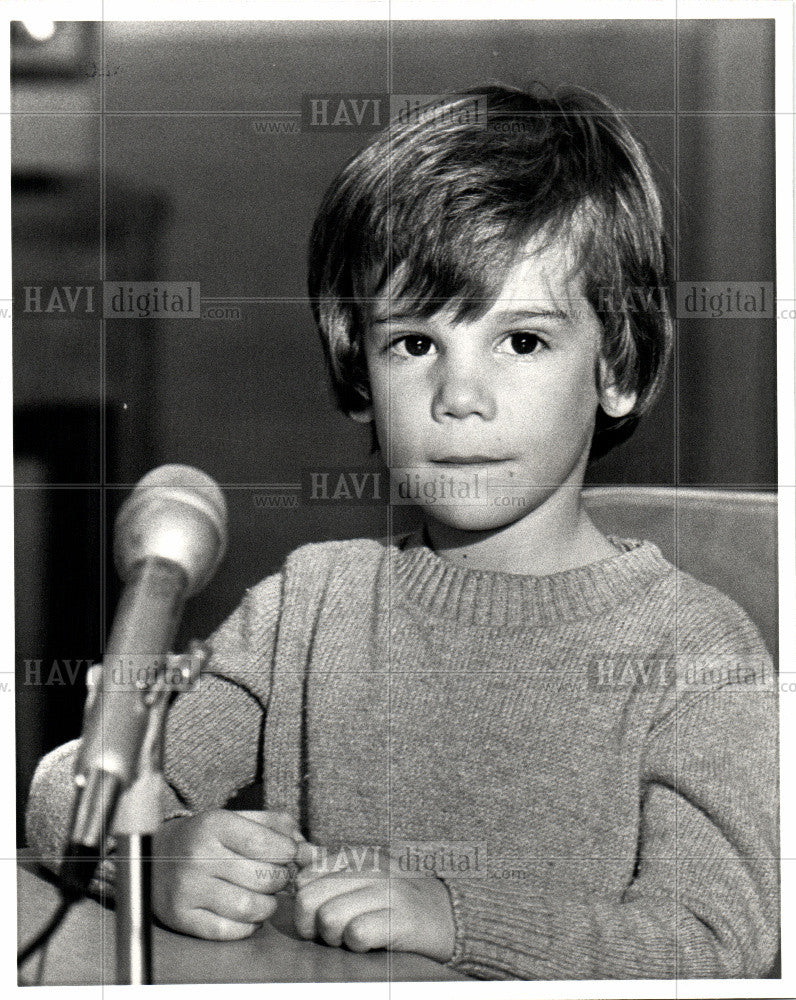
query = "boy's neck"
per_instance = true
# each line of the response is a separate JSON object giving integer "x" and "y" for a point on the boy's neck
{"x": 548, "y": 540}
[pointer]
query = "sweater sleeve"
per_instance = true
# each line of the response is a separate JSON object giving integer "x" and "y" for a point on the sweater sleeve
{"x": 704, "y": 900}
{"x": 212, "y": 740}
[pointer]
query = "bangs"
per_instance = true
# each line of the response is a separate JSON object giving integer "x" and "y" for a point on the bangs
{"x": 459, "y": 264}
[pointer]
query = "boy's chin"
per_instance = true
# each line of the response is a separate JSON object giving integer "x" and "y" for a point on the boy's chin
{"x": 472, "y": 518}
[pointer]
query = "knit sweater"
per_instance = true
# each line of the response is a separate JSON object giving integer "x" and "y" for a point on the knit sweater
{"x": 600, "y": 744}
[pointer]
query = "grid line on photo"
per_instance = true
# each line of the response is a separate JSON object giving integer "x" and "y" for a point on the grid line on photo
{"x": 675, "y": 264}
{"x": 104, "y": 529}
{"x": 390, "y": 518}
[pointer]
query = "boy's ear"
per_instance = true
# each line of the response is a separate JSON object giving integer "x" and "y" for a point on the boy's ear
{"x": 616, "y": 402}
{"x": 362, "y": 416}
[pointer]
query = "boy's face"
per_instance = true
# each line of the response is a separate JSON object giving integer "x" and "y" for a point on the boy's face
{"x": 483, "y": 421}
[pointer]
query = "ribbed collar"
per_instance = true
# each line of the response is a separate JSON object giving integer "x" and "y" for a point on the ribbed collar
{"x": 444, "y": 590}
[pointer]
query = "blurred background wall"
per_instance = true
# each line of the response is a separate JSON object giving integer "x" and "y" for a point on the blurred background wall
{"x": 176, "y": 180}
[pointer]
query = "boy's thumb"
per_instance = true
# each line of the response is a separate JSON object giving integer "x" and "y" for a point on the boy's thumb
{"x": 305, "y": 855}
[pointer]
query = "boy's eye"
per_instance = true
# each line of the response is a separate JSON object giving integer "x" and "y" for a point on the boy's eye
{"x": 415, "y": 345}
{"x": 523, "y": 343}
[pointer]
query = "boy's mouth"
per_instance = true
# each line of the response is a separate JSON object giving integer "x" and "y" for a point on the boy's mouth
{"x": 467, "y": 460}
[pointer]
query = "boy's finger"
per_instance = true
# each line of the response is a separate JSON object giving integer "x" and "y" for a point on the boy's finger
{"x": 233, "y": 903}
{"x": 307, "y": 858}
{"x": 282, "y": 822}
{"x": 254, "y": 840}
{"x": 258, "y": 876}
{"x": 311, "y": 897}
{"x": 306, "y": 875}
{"x": 330, "y": 919}
{"x": 204, "y": 924}
{"x": 369, "y": 931}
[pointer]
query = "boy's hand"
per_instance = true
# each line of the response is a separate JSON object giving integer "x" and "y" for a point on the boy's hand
{"x": 365, "y": 912}
{"x": 214, "y": 874}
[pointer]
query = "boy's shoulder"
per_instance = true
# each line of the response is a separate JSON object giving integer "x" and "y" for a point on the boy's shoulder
{"x": 704, "y": 616}
{"x": 712, "y": 649}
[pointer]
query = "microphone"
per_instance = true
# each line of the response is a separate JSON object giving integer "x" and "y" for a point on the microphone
{"x": 170, "y": 537}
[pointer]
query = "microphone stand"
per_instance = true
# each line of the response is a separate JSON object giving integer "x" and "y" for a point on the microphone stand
{"x": 138, "y": 815}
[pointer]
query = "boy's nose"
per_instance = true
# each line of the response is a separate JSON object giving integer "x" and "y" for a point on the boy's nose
{"x": 462, "y": 393}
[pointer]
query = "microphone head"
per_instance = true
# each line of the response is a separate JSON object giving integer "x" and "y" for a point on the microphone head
{"x": 177, "y": 513}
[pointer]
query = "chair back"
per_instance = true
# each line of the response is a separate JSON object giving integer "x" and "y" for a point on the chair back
{"x": 727, "y": 538}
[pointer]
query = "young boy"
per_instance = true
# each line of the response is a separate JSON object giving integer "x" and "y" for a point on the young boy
{"x": 467, "y": 699}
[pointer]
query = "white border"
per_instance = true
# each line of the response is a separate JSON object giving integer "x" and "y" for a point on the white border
{"x": 782, "y": 11}
{"x": 379, "y": 10}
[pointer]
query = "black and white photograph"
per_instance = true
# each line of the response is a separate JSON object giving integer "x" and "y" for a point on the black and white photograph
{"x": 400, "y": 467}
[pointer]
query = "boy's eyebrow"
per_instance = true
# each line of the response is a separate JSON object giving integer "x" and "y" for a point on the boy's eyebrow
{"x": 505, "y": 314}
{"x": 396, "y": 317}
{"x": 546, "y": 313}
